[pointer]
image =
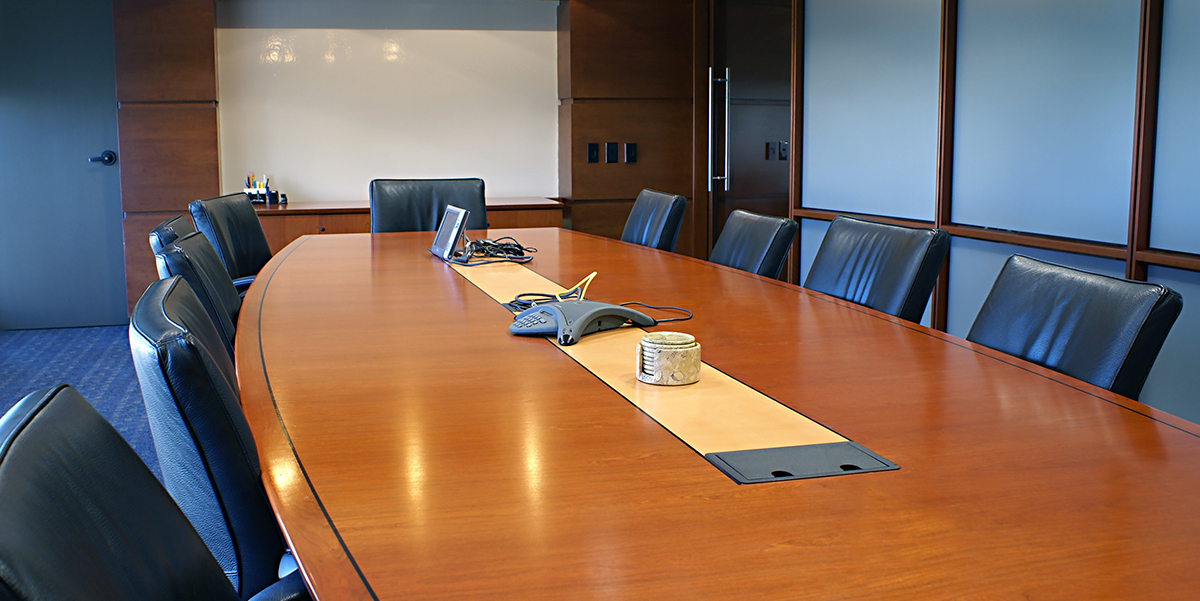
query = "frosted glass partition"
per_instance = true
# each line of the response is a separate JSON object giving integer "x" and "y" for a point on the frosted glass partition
{"x": 1044, "y": 112}
{"x": 812, "y": 232}
{"x": 974, "y": 265}
{"x": 870, "y": 106}
{"x": 1174, "y": 383}
{"x": 1175, "y": 210}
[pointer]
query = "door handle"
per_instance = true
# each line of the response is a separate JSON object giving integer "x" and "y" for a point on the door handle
{"x": 711, "y": 176}
{"x": 107, "y": 158}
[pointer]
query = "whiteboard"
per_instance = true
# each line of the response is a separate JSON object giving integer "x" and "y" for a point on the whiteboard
{"x": 322, "y": 112}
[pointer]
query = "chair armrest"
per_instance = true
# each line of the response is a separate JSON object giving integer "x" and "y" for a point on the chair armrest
{"x": 290, "y": 588}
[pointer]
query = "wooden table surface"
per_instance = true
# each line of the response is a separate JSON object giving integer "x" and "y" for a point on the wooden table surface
{"x": 413, "y": 449}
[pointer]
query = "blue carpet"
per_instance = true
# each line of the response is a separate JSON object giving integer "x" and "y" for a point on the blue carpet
{"x": 96, "y": 361}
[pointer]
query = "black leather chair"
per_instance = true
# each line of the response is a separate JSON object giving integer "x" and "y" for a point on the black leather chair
{"x": 890, "y": 268}
{"x": 193, "y": 258}
{"x": 169, "y": 231}
{"x": 232, "y": 227}
{"x": 417, "y": 205}
{"x": 207, "y": 453}
{"x": 1103, "y": 330}
{"x": 655, "y": 220}
{"x": 81, "y": 517}
{"x": 754, "y": 243}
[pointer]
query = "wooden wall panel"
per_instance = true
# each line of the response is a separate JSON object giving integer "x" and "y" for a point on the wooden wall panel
{"x": 626, "y": 74}
{"x": 600, "y": 217}
{"x": 165, "y": 50}
{"x": 566, "y": 148}
{"x": 662, "y": 130}
{"x": 564, "y": 50}
{"x": 140, "y": 270}
{"x": 168, "y": 155}
{"x": 630, "y": 49}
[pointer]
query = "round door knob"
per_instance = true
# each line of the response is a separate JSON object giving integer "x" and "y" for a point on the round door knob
{"x": 107, "y": 158}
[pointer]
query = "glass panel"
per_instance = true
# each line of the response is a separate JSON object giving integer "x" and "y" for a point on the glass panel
{"x": 1175, "y": 211}
{"x": 974, "y": 265}
{"x": 870, "y": 106}
{"x": 1044, "y": 115}
{"x": 812, "y": 232}
{"x": 1174, "y": 383}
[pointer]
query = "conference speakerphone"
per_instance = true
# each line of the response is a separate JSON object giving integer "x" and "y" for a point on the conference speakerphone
{"x": 572, "y": 320}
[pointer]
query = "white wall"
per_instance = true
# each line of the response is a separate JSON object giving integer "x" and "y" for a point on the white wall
{"x": 324, "y": 111}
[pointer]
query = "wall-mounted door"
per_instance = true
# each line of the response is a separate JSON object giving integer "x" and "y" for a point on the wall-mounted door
{"x": 60, "y": 215}
{"x": 750, "y": 104}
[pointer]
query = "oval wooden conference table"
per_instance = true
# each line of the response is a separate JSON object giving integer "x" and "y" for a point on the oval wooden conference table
{"x": 413, "y": 449}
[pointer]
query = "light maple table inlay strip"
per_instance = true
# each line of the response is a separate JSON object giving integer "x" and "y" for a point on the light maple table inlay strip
{"x": 716, "y": 414}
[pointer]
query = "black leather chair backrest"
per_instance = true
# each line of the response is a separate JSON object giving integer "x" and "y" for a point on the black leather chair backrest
{"x": 890, "y": 268}
{"x": 170, "y": 231}
{"x": 208, "y": 457}
{"x": 417, "y": 205}
{"x": 81, "y": 517}
{"x": 232, "y": 227}
{"x": 754, "y": 243}
{"x": 655, "y": 219}
{"x": 193, "y": 258}
{"x": 1103, "y": 330}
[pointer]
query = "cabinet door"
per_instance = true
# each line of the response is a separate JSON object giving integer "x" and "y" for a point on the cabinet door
{"x": 346, "y": 223}
{"x": 282, "y": 229}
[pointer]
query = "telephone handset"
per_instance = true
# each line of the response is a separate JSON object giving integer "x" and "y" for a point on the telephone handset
{"x": 572, "y": 320}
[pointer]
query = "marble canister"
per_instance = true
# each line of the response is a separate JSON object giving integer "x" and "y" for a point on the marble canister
{"x": 668, "y": 359}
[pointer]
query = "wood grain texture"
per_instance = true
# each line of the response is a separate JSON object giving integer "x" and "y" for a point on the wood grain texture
{"x": 662, "y": 129}
{"x": 284, "y": 223}
{"x": 600, "y": 217}
{"x": 165, "y": 50}
{"x": 168, "y": 155}
{"x": 943, "y": 197}
{"x": 140, "y": 270}
{"x": 1145, "y": 128}
{"x": 428, "y": 454}
{"x": 1168, "y": 258}
{"x": 628, "y": 49}
{"x": 282, "y": 229}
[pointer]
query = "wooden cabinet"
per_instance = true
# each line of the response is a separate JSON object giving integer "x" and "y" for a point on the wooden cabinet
{"x": 283, "y": 224}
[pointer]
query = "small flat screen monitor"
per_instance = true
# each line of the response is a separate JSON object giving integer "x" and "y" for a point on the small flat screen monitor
{"x": 453, "y": 221}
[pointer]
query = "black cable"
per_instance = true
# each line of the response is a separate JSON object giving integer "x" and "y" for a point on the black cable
{"x": 663, "y": 308}
{"x": 493, "y": 251}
